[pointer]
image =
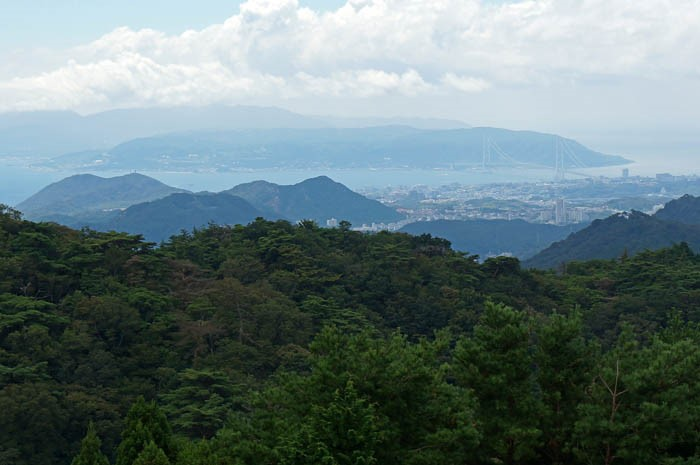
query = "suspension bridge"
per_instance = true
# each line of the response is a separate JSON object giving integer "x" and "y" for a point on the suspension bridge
{"x": 565, "y": 159}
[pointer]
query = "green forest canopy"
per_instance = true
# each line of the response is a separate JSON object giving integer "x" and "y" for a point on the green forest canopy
{"x": 275, "y": 343}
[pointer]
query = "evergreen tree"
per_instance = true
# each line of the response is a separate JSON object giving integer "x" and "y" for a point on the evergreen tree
{"x": 344, "y": 432}
{"x": 643, "y": 407}
{"x": 90, "y": 453}
{"x": 497, "y": 363}
{"x": 564, "y": 361}
{"x": 145, "y": 423}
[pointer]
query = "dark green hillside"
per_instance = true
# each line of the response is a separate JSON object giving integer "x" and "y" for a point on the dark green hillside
{"x": 683, "y": 210}
{"x": 278, "y": 343}
{"x": 317, "y": 199}
{"x": 623, "y": 233}
{"x": 494, "y": 237}
{"x": 160, "y": 219}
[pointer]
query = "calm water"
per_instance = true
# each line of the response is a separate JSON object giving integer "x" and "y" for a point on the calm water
{"x": 18, "y": 182}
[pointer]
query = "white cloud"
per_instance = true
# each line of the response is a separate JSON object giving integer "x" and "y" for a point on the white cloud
{"x": 364, "y": 83}
{"x": 465, "y": 83}
{"x": 130, "y": 79}
{"x": 275, "y": 49}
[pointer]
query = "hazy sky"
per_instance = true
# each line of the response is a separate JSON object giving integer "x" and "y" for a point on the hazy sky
{"x": 565, "y": 65}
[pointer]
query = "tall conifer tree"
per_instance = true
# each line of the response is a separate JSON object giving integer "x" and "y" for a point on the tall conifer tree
{"x": 90, "y": 453}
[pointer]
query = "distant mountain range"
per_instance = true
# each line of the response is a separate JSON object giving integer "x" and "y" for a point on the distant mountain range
{"x": 141, "y": 205}
{"x": 53, "y": 133}
{"x": 494, "y": 237}
{"x": 333, "y": 148}
{"x": 678, "y": 221}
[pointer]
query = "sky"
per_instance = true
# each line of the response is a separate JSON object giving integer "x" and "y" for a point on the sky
{"x": 51, "y": 23}
{"x": 606, "y": 68}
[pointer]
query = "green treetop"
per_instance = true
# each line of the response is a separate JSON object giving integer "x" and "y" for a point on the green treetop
{"x": 90, "y": 453}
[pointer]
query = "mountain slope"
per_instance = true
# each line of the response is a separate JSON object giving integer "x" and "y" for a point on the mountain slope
{"x": 55, "y": 133}
{"x": 162, "y": 218}
{"x": 493, "y": 237}
{"x": 611, "y": 237}
{"x": 318, "y": 199}
{"x": 85, "y": 193}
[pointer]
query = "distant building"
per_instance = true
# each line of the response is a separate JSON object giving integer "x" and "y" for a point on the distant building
{"x": 560, "y": 212}
{"x": 332, "y": 223}
{"x": 625, "y": 173}
{"x": 577, "y": 215}
{"x": 664, "y": 177}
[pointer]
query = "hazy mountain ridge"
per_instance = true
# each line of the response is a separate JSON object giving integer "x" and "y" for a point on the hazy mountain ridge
{"x": 56, "y": 133}
{"x": 494, "y": 237}
{"x": 52, "y": 133}
{"x": 418, "y": 123}
{"x": 337, "y": 148}
{"x": 625, "y": 233}
{"x": 87, "y": 194}
{"x": 318, "y": 199}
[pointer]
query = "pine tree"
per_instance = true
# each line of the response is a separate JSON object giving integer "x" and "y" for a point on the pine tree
{"x": 152, "y": 455}
{"x": 497, "y": 363}
{"x": 90, "y": 453}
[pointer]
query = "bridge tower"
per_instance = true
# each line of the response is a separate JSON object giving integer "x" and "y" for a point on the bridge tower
{"x": 559, "y": 169}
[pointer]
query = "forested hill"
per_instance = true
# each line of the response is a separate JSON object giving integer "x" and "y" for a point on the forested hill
{"x": 683, "y": 210}
{"x": 158, "y": 220}
{"x": 622, "y": 233}
{"x": 275, "y": 343}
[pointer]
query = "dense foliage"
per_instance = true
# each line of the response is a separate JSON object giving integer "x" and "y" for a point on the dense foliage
{"x": 276, "y": 343}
